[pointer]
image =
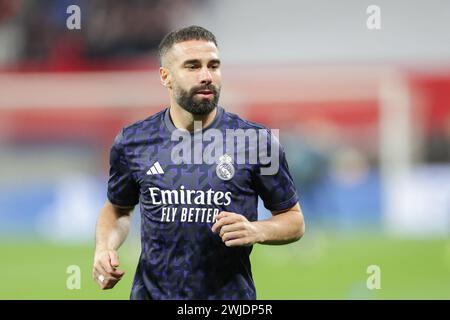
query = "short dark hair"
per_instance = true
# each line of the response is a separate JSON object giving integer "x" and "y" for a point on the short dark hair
{"x": 184, "y": 34}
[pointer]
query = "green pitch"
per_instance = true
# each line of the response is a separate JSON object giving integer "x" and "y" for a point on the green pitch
{"x": 320, "y": 266}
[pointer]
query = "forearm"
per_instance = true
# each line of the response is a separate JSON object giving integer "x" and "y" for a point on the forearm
{"x": 112, "y": 227}
{"x": 281, "y": 228}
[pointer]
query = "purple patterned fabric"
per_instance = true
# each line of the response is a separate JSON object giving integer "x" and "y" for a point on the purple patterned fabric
{"x": 181, "y": 257}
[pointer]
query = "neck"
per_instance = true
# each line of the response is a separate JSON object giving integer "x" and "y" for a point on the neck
{"x": 183, "y": 119}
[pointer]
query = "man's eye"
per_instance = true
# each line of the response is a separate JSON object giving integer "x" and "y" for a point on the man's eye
{"x": 191, "y": 66}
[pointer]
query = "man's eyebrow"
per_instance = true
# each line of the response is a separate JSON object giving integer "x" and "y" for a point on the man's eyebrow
{"x": 214, "y": 61}
{"x": 191, "y": 61}
{"x": 195, "y": 61}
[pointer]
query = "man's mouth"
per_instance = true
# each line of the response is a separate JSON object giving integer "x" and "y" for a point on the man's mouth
{"x": 205, "y": 93}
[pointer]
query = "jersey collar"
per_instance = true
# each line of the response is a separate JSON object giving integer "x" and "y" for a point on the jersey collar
{"x": 171, "y": 127}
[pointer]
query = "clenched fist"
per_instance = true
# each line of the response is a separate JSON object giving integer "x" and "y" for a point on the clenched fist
{"x": 235, "y": 230}
{"x": 105, "y": 271}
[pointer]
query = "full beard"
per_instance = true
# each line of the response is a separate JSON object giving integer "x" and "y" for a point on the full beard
{"x": 198, "y": 107}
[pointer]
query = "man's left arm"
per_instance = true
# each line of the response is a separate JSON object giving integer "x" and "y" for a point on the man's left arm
{"x": 283, "y": 227}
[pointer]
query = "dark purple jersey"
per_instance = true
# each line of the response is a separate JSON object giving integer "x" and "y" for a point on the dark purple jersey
{"x": 181, "y": 257}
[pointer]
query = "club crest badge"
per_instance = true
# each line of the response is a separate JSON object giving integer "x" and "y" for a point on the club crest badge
{"x": 225, "y": 168}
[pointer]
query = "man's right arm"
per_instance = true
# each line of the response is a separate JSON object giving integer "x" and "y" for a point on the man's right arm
{"x": 112, "y": 229}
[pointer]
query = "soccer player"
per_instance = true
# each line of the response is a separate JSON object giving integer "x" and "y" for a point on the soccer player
{"x": 198, "y": 218}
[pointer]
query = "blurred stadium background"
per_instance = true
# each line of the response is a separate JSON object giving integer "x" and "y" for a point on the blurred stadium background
{"x": 363, "y": 114}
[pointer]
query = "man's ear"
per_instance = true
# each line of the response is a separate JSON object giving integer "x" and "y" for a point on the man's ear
{"x": 165, "y": 77}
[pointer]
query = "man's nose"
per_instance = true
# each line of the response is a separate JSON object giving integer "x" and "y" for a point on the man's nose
{"x": 205, "y": 76}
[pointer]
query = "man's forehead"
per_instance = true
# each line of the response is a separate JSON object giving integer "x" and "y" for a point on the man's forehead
{"x": 194, "y": 49}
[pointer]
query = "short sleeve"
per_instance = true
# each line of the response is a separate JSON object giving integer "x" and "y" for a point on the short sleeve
{"x": 122, "y": 188}
{"x": 272, "y": 179}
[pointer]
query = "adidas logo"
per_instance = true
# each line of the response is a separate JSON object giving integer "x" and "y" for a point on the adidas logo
{"x": 155, "y": 169}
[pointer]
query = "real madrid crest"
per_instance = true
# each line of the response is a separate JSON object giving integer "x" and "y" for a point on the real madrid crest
{"x": 225, "y": 168}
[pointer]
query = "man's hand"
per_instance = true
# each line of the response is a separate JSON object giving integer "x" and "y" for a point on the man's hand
{"x": 235, "y": 230}
{"x": 104, "y": 272}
